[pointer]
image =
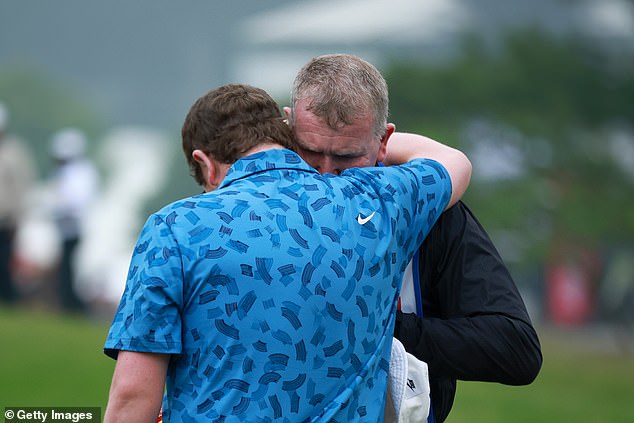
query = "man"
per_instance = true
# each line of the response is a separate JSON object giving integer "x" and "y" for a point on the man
{"x": 273, "y": 294}
{"x": 75, "y": 184}
{"x": 16, "y": 178}
{"x": 475, "y": 324}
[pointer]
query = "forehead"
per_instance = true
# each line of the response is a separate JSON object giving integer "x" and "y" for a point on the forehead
{"x": 313, "y": 133}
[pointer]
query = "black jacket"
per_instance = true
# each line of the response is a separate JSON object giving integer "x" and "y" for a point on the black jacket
{"x": 475, "y": 325}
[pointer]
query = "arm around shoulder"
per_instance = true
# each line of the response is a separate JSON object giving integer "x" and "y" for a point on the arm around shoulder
{"x": 403, "y": 147}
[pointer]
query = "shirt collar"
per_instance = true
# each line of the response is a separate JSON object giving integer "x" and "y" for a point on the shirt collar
{"x": 263, "y": 161}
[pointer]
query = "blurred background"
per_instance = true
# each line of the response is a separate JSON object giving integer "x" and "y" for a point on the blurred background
{"x": 540, "y": 95}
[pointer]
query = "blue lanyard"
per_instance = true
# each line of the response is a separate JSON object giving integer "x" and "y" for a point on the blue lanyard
{"x": 419, "y": 307}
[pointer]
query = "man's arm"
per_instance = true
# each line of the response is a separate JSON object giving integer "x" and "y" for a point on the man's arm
{"x": 137, "y": 387}
{"x": 475, "y": 324}
{"x": 403, "y": 147}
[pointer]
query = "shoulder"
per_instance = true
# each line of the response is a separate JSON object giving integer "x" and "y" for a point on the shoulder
{"x": 167, "y": 216}
{"x": 456, "y": 226}
{"x": 458, "y": 233}
{"x": 459, "y": 212}
{"x": 184, "y": 205}
{"x": 458, "y": 218}
{"x": 421, "y": 171}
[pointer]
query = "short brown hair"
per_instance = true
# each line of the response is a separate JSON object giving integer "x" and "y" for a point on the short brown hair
{"x": 342, "y": 87}
{"x": 229, "y": 121}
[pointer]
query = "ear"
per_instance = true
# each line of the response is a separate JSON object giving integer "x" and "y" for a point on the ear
{"x": 207, "y": 168}
{"x": 389, "y": 130}
{"x": 288, "y": 112}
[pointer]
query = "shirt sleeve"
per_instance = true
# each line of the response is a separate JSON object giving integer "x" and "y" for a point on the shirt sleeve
{"x": 421, "y": 188}
{"x": 475, "y": 324}
{"x": 434, "y": 174}
{"x": 148, "y": 318}
{"x": 430, "y": 193}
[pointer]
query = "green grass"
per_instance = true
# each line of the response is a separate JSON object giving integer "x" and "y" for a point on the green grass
{"x": 573, "y": 386}
{"x": 54, "y": 360}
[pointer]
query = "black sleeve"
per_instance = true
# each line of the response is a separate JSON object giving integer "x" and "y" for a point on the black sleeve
{"x": 475, "y": 324}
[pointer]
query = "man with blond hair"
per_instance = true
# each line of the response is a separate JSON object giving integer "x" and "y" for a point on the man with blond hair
{"x": 468, "y": 321}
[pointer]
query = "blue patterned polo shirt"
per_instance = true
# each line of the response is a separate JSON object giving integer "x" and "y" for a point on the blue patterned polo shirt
{"x": 276, "y": 293}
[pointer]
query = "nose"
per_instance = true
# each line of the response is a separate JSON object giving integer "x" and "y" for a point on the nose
{"x": 328, "y": 165}
{"x": 326, "y": 169}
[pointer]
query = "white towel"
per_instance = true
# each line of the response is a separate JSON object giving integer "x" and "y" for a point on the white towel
{"x": 407, "y": 389}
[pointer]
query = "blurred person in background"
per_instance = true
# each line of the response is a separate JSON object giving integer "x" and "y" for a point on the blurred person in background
{"x": 472, "y": 323}
{"x": 16, "y": 179}
{"x": 75, "y": 182}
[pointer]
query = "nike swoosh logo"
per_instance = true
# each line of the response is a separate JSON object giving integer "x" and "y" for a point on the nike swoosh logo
{"x": 364, "y": 220}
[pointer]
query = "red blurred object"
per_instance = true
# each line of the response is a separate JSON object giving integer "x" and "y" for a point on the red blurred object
{"x": 569, "y": 293}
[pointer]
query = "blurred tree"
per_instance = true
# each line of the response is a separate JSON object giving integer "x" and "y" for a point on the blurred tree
{"x": 559, "y": 104}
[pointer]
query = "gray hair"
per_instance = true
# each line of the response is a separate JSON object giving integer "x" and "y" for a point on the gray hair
{"x": 342, "y": 87}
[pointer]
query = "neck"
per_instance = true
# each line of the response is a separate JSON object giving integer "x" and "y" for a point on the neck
{"x": 263, "y": 147}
